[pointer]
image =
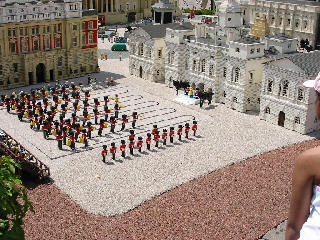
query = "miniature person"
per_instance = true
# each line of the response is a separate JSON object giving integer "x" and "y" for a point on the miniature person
{"x": 116, "y": 110}
{"x": 101, "y": 126}
{"x": 194, "y": 127}
{"x": 106, "y": 100}
{"x": 45, "y": 129}
{"x": 156, "y": 138}
{"x": 96, "y": 102}
{"x": 77, "y": 131}
{"x": 59, "y": 138}
{"x": 134, "y": 119}
{"x": 96, "y": 114}
{"x": 154, "y": 130}
{"x": 106, "y": 112}
{"x": 85, "y": 104}
{"x": 7, "y": 102}
{"x": 113, "y": 124}
{"x": 131, "y": 136}
{"x": 171, "y": 134}
{"x": 71, "y": 139}
{"x": 139, "y": 143}
{"x": 123, "y": 148}
{"x": 113, "y": 150}
{"x": 104, "y": 153}
{"x": 131, "y": 146}
{"x": 187, "y": 129}
{"x": 90, "y": 129}
{"x": 84, "y": 137}
{"x": 124, "y": 121}
{"x": 148, "y": 140}
{"x": 164, "y": 136}
{"x": 85, "y": 116}
{"x": 179, "y": 132}
{"x": 116, "y": 99}
{"x": 64, "y": 135}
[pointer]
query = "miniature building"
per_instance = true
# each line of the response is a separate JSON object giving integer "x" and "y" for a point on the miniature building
{"x": 162, "y": 12}
{"x": 224, "y": 59}
{"x": 42, "y": 42}
{"x": 120, "y": 11}
{"x": 260, "y": 28}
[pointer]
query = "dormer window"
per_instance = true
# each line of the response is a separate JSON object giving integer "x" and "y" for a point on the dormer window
{"x": 252, "y": 51}
{"x": 237, "y": 49}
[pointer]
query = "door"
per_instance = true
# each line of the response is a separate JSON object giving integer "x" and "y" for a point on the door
{"x": 30, "y": 76}
{"x": 140, "y": 72}
{"x": 41, "y": 73}
{"x": 131, "y": 17}
{"x": 51, "y": 75}
{"x": 281, "y": 119}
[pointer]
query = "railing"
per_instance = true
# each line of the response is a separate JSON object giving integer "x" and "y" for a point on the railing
{"x": 33, "y": 166}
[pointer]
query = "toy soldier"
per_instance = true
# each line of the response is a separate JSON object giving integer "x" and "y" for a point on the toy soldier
{"x": 7, "y": 102}
{"x": 113, "y": 124}
{"x": 106, "y": 100}
{"x": 68, "y": 124}
{"x": 89, "y": 80}
{"x": 73, "y": 87}
{"x": 101, "y": 126}
{"x": 156, "y": 138}
{"x": 56, "y": 128}
{"x": 148, "y": 140}
{"x": 77, "y": 131}
{"x": 71, "y": 138}
{"x": 41, "y": 114}
{"x": 85, "y": 104}
{"x": 131, "y": 146}
{"x": 123, "y": 148}
{"x": 55, "y": 98}
{"x": 187, "y": 129}
{"x": 61, "y": 120}
{"x": 84, "y": 137}
{"x": 104, "y": 153}
{"x": 64, "y": 110}
{"x": 20, "y": 113}
{"x": 124, "y": 121}
{"x": 106, "y": 112}
{"x": 194, "y": 127}
{"x": 179, "y": 132}
{"x": 64, "y": 135}
{"x": 116, "y": 99}
{"x": 45, "y": 104}
{"x": 96, "y": 114}
{"x": 139, "y": 143}
{"x": 77, "y": 96}
{"x": 66, "y": 98}
{"x": 85, "y": 116}
{"x": 171, "y": 134}
{"x": 45, "y": 129}
{"x": 74, "y": 119}
{"x": 33, "y": 95}
{"x": 63, "y": 90}
{"x": 86, "y": 94}
{"x": 75, "y": 106}
{"x": 131, "y": 136}
{"x": 90, "y": 129}
{"x": 154, "y": 130}
{"x": 113, "y": 150}
{"x": 164, "y": 136}
{"x": 116, "y": 110}
{"x": 59, "y": 139}
{"x": 36, "y": 121}
{"x": 96, "y": 102}
{"x": 134, "y": 119}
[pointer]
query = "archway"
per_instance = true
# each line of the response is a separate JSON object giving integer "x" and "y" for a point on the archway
{"x": 41, "y": 73}
{"x": 140, "y": 72}
{"x": 131, "y": 17}
{"x": 281, "y": 119}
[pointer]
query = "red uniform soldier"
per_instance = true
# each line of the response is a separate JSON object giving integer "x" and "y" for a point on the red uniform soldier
{"x": 131, "y": 146}
{"x": 101, "y": 126}
{"x": 131, "y": 136}
{"x": 179, "y": 132}
{"x": 84, "y": 137}
{"x": 106, "y": 100}
{"x": 106, "y": 112}
{"x": 71, "y": 138}
{"x": 156, "y": 138}
{"x": 113, "y": 150}
{"x": 113, "y": 124}
{"x": 154, "y": 130}
{"x": 187, "y": 129}
{"x": 123, "y": 148}
{"x": 134, "y": 119}
{"x": 116, "y": 110}
{"x": 59, "y": 138}
{"x": 96, "y": 102}
{"x": 171, "y": 134}
{"x": 194, "y": 127}
{"x": 148, "y": 140}
{"x": 139, "y": 143}
{"x": 86, "y": 94}
{"x": 104, "y": 153}
{"x": 90, "y": 129}
{"x": 124, "y": 121}
{"x": 164, "y": 136}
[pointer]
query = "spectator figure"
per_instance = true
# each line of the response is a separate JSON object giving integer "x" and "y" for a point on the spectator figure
{"x": 304, "y": 221}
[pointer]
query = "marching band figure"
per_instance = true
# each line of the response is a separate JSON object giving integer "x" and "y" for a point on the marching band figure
{"x": 164, "y": 136}
{"x": 84, "y": 137}
{"x": 171, "y": 134}
{"x": 96, "y": 114}
{"x": 139, "y": 143}
{"x": 90, "y": 129}
{"x": 134, "y": 119}
{"x": 179, "y": 132}
{"x": 194, "y": 127}
{"x": 116, "y": 110}
{"x": 124, "y": 121}
{"x": 113, "y": 124}
{"x": 123, "y": 148}
{"x": 59, "y": 139}
{"x": 131, "y": 146}
{"x": 154, "y": 130}
{"x": 187, "y": 129}
{"x": 113, "y": 150}
{"x": 106, "y": 112}
{"x": 104, "y": 153}
{"x": 148, "y": 140}
{"x": 101, "y": 126}
{"x": 156, "y": 138}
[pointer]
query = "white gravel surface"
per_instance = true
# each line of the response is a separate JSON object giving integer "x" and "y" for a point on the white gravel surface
{"x": 224, "y": 137}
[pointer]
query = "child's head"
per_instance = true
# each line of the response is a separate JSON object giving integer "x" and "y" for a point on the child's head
{"x": 316, "y": 85}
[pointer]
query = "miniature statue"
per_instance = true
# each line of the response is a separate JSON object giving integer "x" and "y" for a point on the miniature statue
{"x": 104, "y": 153}
{"x": 194, "y": 128}
{"x": 164, "y": 136}
{"x": 123, "y": 148}
{"x": 113, "y": 150}
{"x": 139, "y": 143}
{"x": 187, "y": 129}
{"x": 171, "y": 134}
{"x": 131, "y": 146}
{"x": 148, "y": 140}
{"x": 179, "y": 132}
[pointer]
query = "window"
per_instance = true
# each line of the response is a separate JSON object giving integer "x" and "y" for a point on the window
{"x": 90, "y": 38}
{"x": 285, "y": 85}
{"x": 90, "y": 24}
{"x": 83, "y": 39}
{"x": 16, "y": 80}
{"x": 224, "y": 72}
{"x": 59, "y": 61}
{"x": 297, "y": 23}
{"x": 194, "y": 65}
{"x": 300, "y": 94}
{"x": 59, "y": 73}
{"x": 235, "y": 99}
{"x": 120, "y": 7}
{"x": 37, "y": 30}
{"x": 75, "y": 59}
{"x": 71, "y": 7}
{"x": 128, "y": 6}
{"x": 12, "y": 47}
{"x": 251, "y": 76}
{"x": 267, "y": 110}
{"x": 171, "y": 57}
{"x": 159, "y": 53}
{"x": 259, "y": 100}
{"x": 74, "y": 27}
{"x": 134, "y": 6}
{"x": 305, "y": 24}
{"x": 272, "y": 20}
{"x": 59, "y": 27}
{"x": 55, "y": 29}
{"x": 280, "y": 21}
{"x": 83, "y": 25}
{"x": 58, "y": 43}
{"x": 252, "y": 51}
{"x": 33, "y": 31}
{"x": 35, "y": 44}
{"x": 186, "y": 64}
{"x": 149, "y": 52}
{"x": 258, "y": 50}
{"x": 289, "y": 45}
{"x": 297, "y": 120}
{"x": 24, "y": 45}
{"x": 14, "y": 33}
{"x": 270, "y": 86}
{"x": 21, "y": 31}
{"x": 224, "y": 94}
{"x": 1, "y": 70}
{"x": 236, "y": 74}
{"x": 248, "y": 100}
{"x": 74, "y": 40}
{"x": 15, "y": 67}
{"x": 289, "y": 21}
{"x": 211, "y": 70}
{"x": 172, "y": 35}
{"x": 237, "y": 49}
{"x": 203, "y": 65}
{"x": 229, "y": 19}
{"x": 158, "y": 73}
{"x": 48, "y": 29}
{"x": 315, "y": 120}
{"x": 47, "y": 43}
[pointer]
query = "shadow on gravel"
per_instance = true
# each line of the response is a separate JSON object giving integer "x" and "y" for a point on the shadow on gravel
{"x": 315, "y": 134}
{"x": 210, "y": 107}
{"x": 110, "y": 163}
{"x": 31, "y": 184}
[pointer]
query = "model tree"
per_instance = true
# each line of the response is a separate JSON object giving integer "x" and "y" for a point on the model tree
{"x": 14, "y": 203}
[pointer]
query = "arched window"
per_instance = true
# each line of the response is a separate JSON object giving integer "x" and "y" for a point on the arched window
{"x": 224, "y": 94}
{"x": 267, "y": 110}
{"x": 236, "y": 74}
{"x": 141, "y": 49}
{"x": 270, "y": 86}
{"x": 186, "y": 63}
{"x": 285, "y": 85}
{"x": 300, "y": 94}
{"x": 203, "y": 65}
{"x": 248, "y": 100}
{"x": 235, "y": 99}
{"x": 133, "y": 48}
{"x": 297, "y": 120}
{"x": 194, "y": 65}
{"x": 75, "y": 59}
{"x": 158, "y": 73}
{"x": 172, "y": 57}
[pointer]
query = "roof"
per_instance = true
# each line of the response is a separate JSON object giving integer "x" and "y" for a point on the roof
{"x": 247, "y": 40}
{"x": 159, "y": 31}
{"x": 281, "y": 36}
{"x": 299, "y": 2}
{"x": 309, "y": 62}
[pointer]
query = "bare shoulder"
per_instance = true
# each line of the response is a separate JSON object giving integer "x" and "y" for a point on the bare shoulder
{"x": 310, "y": 160}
